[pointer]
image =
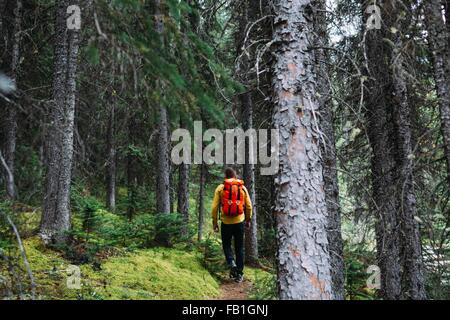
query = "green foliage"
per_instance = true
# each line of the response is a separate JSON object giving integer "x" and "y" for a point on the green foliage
{"x": 6, "y": 237}
{"x": 213, "y": 259}
{"x": 156, "y": 273}
{"x": 93, "y": 54}
{"x": 264, "y": 284}
{"x": 357, "y": 260}
{"x": 28, "y": 178}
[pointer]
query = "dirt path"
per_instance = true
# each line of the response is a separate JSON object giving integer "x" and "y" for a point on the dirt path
{"x": 230, "y": 290}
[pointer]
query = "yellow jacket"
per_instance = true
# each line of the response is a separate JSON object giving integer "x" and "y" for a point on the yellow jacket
{"x": 217, "y": 202}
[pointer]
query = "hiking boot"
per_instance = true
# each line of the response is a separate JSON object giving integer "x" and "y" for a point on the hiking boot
{"x": 234, "y": 272}
{"x": 239, "y": 278}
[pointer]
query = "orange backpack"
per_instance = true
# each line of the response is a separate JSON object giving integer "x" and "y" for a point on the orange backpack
{"x": 233, "y": 197}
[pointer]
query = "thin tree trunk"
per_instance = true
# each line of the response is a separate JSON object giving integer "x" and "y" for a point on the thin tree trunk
{"x": 111, "y": 162}
{"x": 11, "y": 110}
{"x": 251, "y": 234}
{"x": 438, "y": 38}
{"x": 183, "y": 192}
{"x": 163, "y": 192}
{"x": 300, "y": 205}
{"x": 172, "y": 197}
{"x": 329, "y": 157}
{"x": 56, "y": 207}
{"x": 380, "y": 130}
{"x": 413, "y": 285}
{"x": 131, "y": 168}
{"x": 201, "y": 205}
{"x": 247, "y": 11}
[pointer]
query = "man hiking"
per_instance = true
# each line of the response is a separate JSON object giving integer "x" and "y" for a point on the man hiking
{"x": 232, "y": 200}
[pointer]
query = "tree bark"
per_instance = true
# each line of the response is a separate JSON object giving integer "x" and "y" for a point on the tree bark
{"x": 438, "y": 39}
{"x": 328, "y": 149}
{"x": 56, "y": 207}
{"x": 11, "y": 110}
{"x": 251, "y": 234}
{"x": 112, "y": 154}
{"x": 201, "y": 205}
{"x": 388, "y": 114}
{"x": 413, "y": 285}
{"x": 131, "y": 166}
{"x": 300, "y": 205}
{"x": 163, "y": 190}
{"x": 380, "y": 130}
{"x": 183, "y": 192}
{"x": 247, "y": 12}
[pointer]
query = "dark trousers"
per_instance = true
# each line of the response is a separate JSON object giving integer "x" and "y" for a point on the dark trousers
{"x": 235, "y": 231}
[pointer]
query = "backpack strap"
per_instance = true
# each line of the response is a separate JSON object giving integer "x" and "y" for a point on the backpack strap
{"x": 230, "y": 198}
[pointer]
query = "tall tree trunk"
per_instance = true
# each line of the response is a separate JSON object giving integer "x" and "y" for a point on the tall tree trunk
{"x": 300, "y": 205}
{"x": 413, "y": 285}
{"x": 201, "y": 205}
{"x": 380, "y": 131}
{"x": 438, "y": 38}
{"x": 172, "y": 197}
{"x": 163, "y": 145}
{"x": 131, "y": 167}
{"x": 251, "y": 234}
{"x": 111, "y": 152}
{"x": 163, "y": 191}
{"x": 247, "y": 11}
{"x": 329, "y": 156}
{"x": 183, "y": 192}
{"x": 111, "y": 164}
{"x": 388, "y": 113}
{"x": 11, "y": 110}
{"x": 56, "y": 207}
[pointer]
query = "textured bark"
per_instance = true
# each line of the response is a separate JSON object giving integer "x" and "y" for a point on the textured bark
{"x": 413, "y": 285}
{"x": 163, "y": 191}
{"x": 111, "y": 166}
{"x": 380, "y": 131}
{"x": 163, "y": 176}
{"x": 59, "y": 150}
{"x": 300, "y": 206}
{"x": 201, "y": 205}
{"x": 247, "y": 13}
{"x": 131, "y": 168}
{"x": 251, "y": 234}
{"x": 11, "y": 110}
{"x": 438, "y": 38}
{"x": 388, "y": 114}
{"x": 183, "y": 192}
{"x": 328, "y": 148}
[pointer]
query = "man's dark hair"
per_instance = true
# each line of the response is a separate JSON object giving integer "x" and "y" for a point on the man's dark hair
{"x": 230, "y": 173}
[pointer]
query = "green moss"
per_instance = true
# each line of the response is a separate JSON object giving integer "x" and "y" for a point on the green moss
{"x": 264, "y": 284}
{"x": 49, "y": 270}
{"x": 156, "y": 273}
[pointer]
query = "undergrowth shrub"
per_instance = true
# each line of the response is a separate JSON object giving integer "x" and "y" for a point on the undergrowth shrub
{"x": 213, "y": 259}
{"x": 264, "y": 286}
{"x": 357, "y": 259}
{"x": 13, "y": 277}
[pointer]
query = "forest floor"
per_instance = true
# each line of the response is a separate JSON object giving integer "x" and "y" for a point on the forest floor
{"x": 122, "y": 272}
{"x": 230, "y": 290}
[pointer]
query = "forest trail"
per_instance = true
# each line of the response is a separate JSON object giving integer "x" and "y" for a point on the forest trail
{"x": 230, "y": 290}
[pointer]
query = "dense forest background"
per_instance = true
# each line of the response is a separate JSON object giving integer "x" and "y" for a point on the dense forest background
{"x": 359, "y": 91}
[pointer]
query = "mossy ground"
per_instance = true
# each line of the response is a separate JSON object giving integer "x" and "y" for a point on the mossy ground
{"x": 157, "y": 273}
{"x": 120, "y": 271}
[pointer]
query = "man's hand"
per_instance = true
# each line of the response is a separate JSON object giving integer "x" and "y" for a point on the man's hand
{"x": 216, "y": 228}
{"x": 248, "y": 224}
